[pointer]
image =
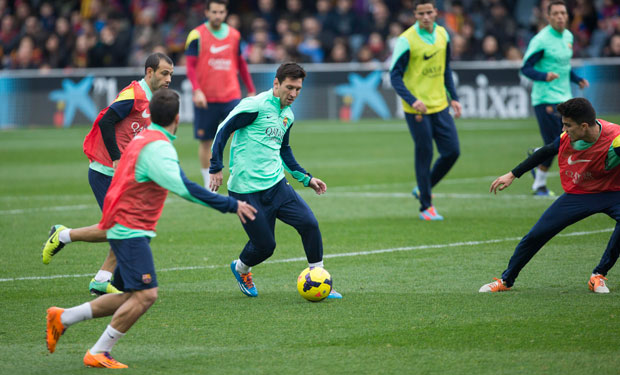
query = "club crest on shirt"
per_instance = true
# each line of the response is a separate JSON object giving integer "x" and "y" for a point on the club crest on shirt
{"x": 146, "y": 278}
{"x": 285, "y": 122}
{"x": 570, "y": 45}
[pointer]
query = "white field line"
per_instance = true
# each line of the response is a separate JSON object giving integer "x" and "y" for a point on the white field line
{"x": 334, "y": 192}
{"x": 341, "y": 255}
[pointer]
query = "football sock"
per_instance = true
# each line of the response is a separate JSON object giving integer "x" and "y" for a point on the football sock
{"x": 206, "y": 177}
{"x": 540, "y": 180}
{"x": 317, "y": 264}
{"x": 241, "y": 267}
{"x": 64, "y": 236}
{"x": 107, "y": 340}
{"x": 103, "y": 276}
{"x": 76, "y": 314}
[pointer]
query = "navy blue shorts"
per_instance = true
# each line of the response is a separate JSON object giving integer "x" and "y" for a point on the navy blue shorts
{"x": 550, "y": 124}
{"x": 99, "y": 183}
{"x": 207, "y": 120}
{"x": 135, "y": 269}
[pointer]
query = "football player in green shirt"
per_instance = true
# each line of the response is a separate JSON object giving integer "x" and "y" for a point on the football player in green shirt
{"x": 547, "y": 64}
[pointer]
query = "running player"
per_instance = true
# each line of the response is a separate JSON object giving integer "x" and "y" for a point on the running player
{"x": 115, "y": 126}
{"x": 134, "y": 202}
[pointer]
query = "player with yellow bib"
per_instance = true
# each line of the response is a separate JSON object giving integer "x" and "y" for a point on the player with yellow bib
{"x": 421, "y": 75}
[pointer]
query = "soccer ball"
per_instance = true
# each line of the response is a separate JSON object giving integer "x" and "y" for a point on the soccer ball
{"x": 314, "y": 284}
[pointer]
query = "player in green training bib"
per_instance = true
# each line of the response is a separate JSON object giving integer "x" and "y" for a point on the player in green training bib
{"x": 421, "y": 75}
{"x": 547, "y": 64}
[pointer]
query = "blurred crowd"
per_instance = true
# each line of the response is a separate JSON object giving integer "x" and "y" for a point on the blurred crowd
{"x": 43, "y": 34}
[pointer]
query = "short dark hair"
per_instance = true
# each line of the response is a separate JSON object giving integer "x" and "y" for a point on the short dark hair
{"x": 164, "y": 106}
{"x": 579, "y": 110}
{"x": 421, "y": 2}
{"x": 153, "y": 61}
{"x": 555, "y": 2}
{"x": 290, "y": 70}
{"x": 209, "y": 2}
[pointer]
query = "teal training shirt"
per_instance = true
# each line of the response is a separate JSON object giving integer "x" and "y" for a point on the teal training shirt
{"x": 558, "y": 50}
{"x": 158, "y": 162}
{"x": 255, "y": 153}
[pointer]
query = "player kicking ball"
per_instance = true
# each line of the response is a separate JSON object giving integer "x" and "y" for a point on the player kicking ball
{"x": 588, "y": 154}
{"x": 259, "y": 153}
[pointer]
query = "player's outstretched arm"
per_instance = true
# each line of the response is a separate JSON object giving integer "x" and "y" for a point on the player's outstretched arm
{"x": 502, "y": 182}
{"x": 317, "y": 185}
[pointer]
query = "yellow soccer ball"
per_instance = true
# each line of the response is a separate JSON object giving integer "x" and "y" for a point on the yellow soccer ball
{"x": 314, "y": 284}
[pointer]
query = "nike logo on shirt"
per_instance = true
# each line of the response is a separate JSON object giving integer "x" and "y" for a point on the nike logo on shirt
{"x": 219, "y": 49}
{"x": 428, "y": 57}
{"x": 145, "y": 115}
{"x": 573, "y": 162}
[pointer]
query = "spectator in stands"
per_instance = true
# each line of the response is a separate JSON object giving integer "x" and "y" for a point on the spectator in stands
{"x": 613, "y": 46}
{"x": 500, "y": 25}
{"x": 79, "y": 57}
{"x": 146, "y": 35}
{"x": 27, "y": 55}
{"x": 376, "y": 45}
{"x": 9, "y": 35}
{"x": 313, "y": 40}
{"x": 46, "y": 17}
{"x": 66, "y": 39}
{"x": 106, "y": 53}
{"x": 260, "y": 44}
{"x": 267, "y": 11}
{"x": 380, "y": 21}
{"x": 294, "y": 13}
{"x": 53, "y": 55}
{"x": 584, "y": 22}
{"x": 340, "y": 52}
{"x": 490, "y": 49}
{"x": 325, "y": 14}
{"x": 513, "y": 54}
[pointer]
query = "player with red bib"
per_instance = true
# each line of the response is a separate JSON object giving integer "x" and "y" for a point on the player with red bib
{"x": 113, "y": 129}
{"x": 213, "y": 62}
{"x": 134, "y": 202}
{"x": 588, "y": 153}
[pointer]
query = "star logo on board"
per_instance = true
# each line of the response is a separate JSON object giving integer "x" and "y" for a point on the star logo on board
{"x": 75, "y": 96}
{"x": 364, "y": 92}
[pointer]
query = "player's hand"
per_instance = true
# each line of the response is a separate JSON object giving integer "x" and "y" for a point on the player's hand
{"x": 199, "y": 99}
{"x": 114, "y": 164}
{"x": 245, "y": 211}
{"x": 419, "y": 106}
{"x": 551, "y": 76}
{"x": 215, "y": 181}
{"x": 456, "y": 107}
{"x": 502, "y": 182}
{"x": 252, "y": 93}
{"x": 317, "y": 185}
{"x": 584, "y": 84}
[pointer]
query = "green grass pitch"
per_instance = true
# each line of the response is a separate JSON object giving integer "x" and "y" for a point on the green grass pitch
{"x": 411, "y": 303}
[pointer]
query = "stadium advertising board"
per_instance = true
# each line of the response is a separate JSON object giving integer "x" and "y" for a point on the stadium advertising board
{"x": 334, "y": 91}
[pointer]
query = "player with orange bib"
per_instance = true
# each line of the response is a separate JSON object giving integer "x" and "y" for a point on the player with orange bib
{"x": 213, "y": 62}
{"x": 588, "y": 153}
{"x": 114, "y": 127}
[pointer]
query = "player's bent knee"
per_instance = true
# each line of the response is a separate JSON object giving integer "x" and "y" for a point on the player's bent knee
{"x": 147, "y": 297}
